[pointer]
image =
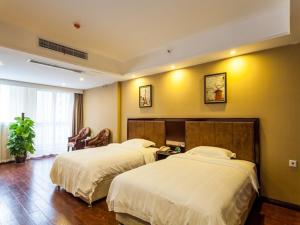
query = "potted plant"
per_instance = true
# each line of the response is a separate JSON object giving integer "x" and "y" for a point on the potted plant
{"x": 20, "y": 140}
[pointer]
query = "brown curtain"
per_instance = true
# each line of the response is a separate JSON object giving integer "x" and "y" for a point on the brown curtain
{"x": 77, "y": 113}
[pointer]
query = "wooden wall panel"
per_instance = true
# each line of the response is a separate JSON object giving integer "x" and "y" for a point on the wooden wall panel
{"x": 150, "y": 130}
{"x": 136, "y": 129}
{"x": 224, "y": 136}
{"x": 191, "y": 134}
{"x": 199, "y": 133}
{"x": 206, "y": 134}
{"x": 243, "y": 141}
{"x": 155, "y": 131}
{"x": 239, "y": 135}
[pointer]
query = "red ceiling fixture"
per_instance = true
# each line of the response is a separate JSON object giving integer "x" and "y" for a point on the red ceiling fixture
{"x": 76, "y": 25}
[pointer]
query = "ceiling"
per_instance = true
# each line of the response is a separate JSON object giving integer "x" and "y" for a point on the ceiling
{"x": 131, "y": 37}
{"x": 125, "y": 29}
{"x": 16, "y": 66}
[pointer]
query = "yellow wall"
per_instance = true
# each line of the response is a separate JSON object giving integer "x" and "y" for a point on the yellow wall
{"x": 264, "y": 85}
{"x": 101, "y": 109}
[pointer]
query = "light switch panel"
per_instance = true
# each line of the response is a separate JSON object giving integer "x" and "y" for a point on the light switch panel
{"x": 293, "y": 163}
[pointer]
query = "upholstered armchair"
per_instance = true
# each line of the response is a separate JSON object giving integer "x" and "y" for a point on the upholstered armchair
{"x": 77, "y": 142}
{"x": 101, "y": 139}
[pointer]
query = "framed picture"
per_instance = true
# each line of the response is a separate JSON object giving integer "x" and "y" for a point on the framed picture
{"x": 145, "y": 96}
{"x": 215, "y": 88}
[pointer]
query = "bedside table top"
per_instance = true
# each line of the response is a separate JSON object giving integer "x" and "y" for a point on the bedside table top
{"x": 166, "y": 153}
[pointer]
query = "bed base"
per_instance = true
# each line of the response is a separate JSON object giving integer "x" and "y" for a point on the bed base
{"x": 126, "y": 219}
{"x": 100, "y": 192}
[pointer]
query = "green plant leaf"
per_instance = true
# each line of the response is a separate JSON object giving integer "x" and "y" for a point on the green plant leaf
{"x": 20, "y": 136}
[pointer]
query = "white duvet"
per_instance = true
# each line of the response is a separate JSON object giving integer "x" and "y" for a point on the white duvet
{"x": 185, "y": 190}
{"x": 79, "y": 172}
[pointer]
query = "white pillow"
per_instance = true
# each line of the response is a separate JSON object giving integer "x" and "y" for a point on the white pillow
{"x": 214, "y": 152}
{"x": 138, "y": 142}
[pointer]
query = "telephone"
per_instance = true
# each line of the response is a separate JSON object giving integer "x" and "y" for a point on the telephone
{"x": 164, "y": 148}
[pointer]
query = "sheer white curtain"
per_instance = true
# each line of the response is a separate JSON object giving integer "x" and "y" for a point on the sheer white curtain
{"x": 53, "y": 122}
{"x": 51, "y": 111}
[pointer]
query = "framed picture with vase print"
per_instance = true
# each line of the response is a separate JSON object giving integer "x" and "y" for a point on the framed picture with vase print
{"x": 215, "y": 88}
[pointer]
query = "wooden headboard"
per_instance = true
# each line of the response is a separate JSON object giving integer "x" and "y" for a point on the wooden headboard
{"x": 153, "y": 130}
{"x": 240, "y": 135}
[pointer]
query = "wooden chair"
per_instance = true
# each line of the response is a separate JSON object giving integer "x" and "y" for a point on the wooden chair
{"x": 101, "y": 139}
{"x": 77, "y": 142}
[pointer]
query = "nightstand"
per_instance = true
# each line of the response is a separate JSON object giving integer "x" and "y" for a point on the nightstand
{"x": 164, "y": 154}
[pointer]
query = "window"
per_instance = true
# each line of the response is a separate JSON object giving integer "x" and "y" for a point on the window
{"x": 52, "y": 112}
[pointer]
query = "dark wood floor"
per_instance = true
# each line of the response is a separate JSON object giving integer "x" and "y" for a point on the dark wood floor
{"x": 27, "y": 196}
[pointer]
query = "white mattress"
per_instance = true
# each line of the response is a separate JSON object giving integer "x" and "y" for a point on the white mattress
{"x": 185, "y": 189}
{"x": 80, "y": 172}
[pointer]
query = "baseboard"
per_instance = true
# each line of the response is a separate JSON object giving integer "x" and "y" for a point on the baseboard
{"x": 7, "y": 161}
{"x": 29, "y": 158}
{"x": 281, "y": 203}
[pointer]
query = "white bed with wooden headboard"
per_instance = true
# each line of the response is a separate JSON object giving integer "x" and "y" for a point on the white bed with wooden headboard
{"x": 193, "y": 188}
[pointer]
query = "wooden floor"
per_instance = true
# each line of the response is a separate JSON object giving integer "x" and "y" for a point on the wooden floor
{"x": 27, "y": 196}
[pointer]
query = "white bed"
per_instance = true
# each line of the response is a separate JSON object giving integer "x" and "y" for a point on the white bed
{"x": 185, "y": 189}
{"x": 88, "y": 173}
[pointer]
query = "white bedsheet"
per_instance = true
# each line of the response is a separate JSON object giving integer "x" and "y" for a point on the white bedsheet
{"x": 185, "y": 189}
{"x": 79, "y": 172}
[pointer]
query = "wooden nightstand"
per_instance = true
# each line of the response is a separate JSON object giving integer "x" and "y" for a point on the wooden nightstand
{"x": 164, "y": 154}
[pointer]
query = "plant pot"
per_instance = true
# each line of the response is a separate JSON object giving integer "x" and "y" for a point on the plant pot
{"x": 21, "y": 159}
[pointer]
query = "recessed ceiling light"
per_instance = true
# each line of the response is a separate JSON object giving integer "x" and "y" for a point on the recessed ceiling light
{"x": 232, "y": 52}
{"x": 81, "y": 78}
{"x": 173, "y": 67}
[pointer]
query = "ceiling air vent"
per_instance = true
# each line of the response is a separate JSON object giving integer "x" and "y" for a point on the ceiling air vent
{"x": 63, "y": 49}
{"x": 54, "y": 65}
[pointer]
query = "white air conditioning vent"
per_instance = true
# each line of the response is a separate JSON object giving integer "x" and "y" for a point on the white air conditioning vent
{"x": 63, "y": 49}
{"x": 55, "y": 66}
